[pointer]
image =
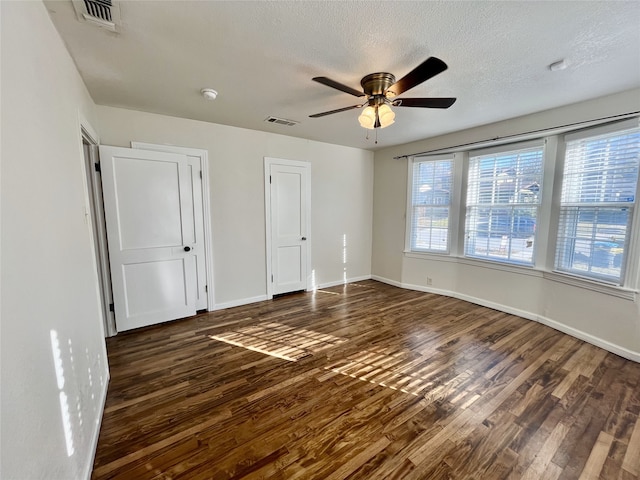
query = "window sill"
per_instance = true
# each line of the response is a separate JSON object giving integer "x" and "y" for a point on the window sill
{"x": 505, "y": 267}
{"x": 475, "y": 262}
{"x": 435, "y": 256}
{"x": 613, "y": 290}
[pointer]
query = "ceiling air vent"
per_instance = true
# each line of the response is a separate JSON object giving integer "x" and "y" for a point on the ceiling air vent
{"x": 100, "y": 9}
{"x": 281, "y": 121}
{"x": 103, "y": 13}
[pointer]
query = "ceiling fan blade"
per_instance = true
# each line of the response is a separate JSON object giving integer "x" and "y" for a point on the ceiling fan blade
{"x": 330, "y": 112}
{"x": 425, "y": 102}
{"x": 431, "y": 67}
{"x": 338, "y": 86}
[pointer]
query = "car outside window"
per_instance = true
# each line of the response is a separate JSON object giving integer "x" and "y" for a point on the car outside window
{"x": 503, "y": 198}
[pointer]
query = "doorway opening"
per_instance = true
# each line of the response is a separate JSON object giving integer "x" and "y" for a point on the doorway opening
{"x": 200, "y": 245}
{"x": 98, "y": 228}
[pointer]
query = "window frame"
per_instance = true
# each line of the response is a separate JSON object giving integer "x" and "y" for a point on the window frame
{"x": 628, "y": 269}
{"x": 509, "y": 148}
{"x": 547, "y": 221}
{"x": 409, "y": 234}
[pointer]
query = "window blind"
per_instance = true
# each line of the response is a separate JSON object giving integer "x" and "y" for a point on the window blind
{"x": 598, "y": 197}
{"x": 503, "y": 198}
{"x": 430, "y": 204}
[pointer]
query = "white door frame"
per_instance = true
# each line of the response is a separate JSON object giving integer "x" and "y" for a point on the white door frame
{"x": 208, "y": 239}
{"x": 95, "y": 214}
{"x": 268, "y": 162}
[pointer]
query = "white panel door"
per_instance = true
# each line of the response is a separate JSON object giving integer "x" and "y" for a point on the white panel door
{"x": 196, "y": 209}
{"x": 149, "y": 218}
{"x": 288, "y": 228}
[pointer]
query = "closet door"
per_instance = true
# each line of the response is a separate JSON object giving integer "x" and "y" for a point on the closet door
{"x": 149, "y": 217}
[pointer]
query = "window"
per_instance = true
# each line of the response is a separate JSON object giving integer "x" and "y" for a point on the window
{"x": 597, "y": 204}
{"x": 503, "y": 198}
{"x": 430, "y": 205}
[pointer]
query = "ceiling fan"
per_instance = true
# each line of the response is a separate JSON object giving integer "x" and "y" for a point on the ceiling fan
{"x": 381, "y": 90}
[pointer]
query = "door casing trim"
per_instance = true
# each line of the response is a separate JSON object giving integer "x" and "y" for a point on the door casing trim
{"x": 268, "y": 162}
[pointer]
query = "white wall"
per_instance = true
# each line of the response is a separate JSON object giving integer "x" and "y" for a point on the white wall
{"x": 48, "y": 278}
{"x": 341, "y": 196}
{"x": 606, "y": 320}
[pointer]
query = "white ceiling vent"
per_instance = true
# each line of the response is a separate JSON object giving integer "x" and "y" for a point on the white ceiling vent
{"x": 102, "y": 13}
{"x": 281, "y": 121}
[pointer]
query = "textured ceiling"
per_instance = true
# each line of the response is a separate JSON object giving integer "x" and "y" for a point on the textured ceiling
{"x": 261, "y": 56}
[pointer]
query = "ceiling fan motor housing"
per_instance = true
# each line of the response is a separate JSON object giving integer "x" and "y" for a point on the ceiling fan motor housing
{"x": 376, "y": 84}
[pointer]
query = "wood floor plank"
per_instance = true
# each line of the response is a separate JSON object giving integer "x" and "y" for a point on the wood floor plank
{"x": 366, "y": 381}
{"x": 138, "y": 454}
{"x": 631, "y": 462}
{"x": 543, "y": 458}
{"x": 597, "y": 457}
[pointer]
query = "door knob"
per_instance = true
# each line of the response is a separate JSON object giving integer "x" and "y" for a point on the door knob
{"x": 304, "y": 238}
{"x": 187, "y": 249}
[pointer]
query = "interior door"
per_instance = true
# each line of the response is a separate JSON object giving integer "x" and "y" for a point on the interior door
{"x": 289, "y": 247}
{"x": 196, "y": 237}
{"x": 149, "y": 219}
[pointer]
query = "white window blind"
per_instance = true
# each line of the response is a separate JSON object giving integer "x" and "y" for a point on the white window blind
{"x": 503, "y": 198}
{"x": 597, "y": 203}
{"x": 430, "y": 204}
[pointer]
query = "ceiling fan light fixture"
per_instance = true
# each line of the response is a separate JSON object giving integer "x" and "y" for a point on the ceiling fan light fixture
{"x": 381, "y": 90}
{"x": 386, "y": 115}
{"x": 367, "y": 118}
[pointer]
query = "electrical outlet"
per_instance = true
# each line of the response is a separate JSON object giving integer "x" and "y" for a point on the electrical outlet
{"x": 429, "y": 281}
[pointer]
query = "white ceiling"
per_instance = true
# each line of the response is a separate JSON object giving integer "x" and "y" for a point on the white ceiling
{"x": 261, "y": 55}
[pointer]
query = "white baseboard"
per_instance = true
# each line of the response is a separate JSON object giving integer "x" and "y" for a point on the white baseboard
{"x": 498, "y": 306}
{"x": 342, "y": 282}
{"x": 96, "y": 433}
{"x": 593, "y": 340}
{"x": 239, "y": 302}
{"x": 388, "y": 281}
{"x": 587, "y": 337}
{"x": 262, "y": 298}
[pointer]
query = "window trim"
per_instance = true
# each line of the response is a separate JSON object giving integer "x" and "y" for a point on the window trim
{"x": 599, "y": 286}
{"x": 549, "y": 212}
{"x": 411, "y": 161}
{"x": 586, "y": 132}
{"x": 540, "y": 143}
{"x": 630, "y": 270}
{"x": 507, "y": 147}
{"x": 516, "y": 269}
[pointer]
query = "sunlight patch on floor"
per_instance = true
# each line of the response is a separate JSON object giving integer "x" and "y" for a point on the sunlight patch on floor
{"x": 391, "y": 369}
{"x": 279, "y": 340}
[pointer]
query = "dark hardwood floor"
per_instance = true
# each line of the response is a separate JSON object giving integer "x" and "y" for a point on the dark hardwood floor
{"x": 366, "y": 381}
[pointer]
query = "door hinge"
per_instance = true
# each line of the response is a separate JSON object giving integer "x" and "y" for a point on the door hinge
{"x": 271, "y": 278}
{"x": 206, "y": 288}
{"x": 200, "y": 174}
{"x": 269, "y": 178}
{"x": 112, "y": 307}
{"x": 97, "y": 167}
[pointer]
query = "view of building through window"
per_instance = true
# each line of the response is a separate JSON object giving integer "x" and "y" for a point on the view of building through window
{"x": 503, "y": 196}
{"x": 431, "y": 199}
{"x": 598, "y": 198}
